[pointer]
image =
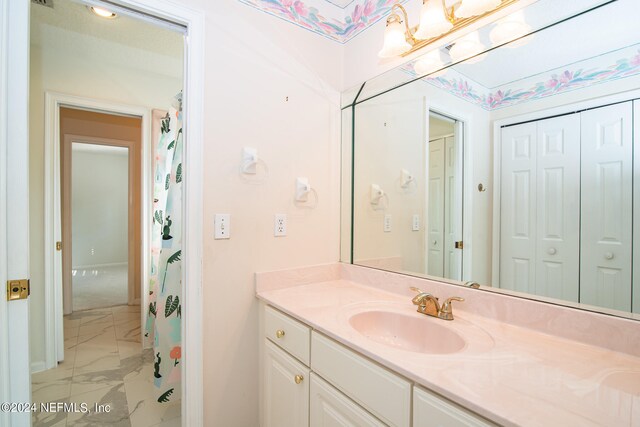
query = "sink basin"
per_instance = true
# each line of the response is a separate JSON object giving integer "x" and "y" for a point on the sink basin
{"x": 400, "y": 331}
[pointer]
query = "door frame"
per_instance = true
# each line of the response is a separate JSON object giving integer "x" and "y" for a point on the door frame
{"x": 497, "y": 125}
{"x": 53, "y": 286}
{"x": 14, "y": 75}
{"x": 135, "y": 164}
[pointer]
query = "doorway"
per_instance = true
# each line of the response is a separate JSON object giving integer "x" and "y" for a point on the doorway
{"x": 101, "y": 212}
{"x": 444, "y": 197}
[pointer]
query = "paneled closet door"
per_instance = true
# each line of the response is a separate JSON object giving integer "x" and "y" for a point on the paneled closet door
{"x": 606, "y": 193}
{"x": 435, "y": 209}
{"x": 518, "y": 208}
{"x": 635, "y": 304}
{"x": 558, "y": 208}
{"x": 452, "y": 208}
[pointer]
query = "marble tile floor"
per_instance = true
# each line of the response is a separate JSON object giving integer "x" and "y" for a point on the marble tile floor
{"x": 105, "y": 365}
{"x": 97, "y": 287}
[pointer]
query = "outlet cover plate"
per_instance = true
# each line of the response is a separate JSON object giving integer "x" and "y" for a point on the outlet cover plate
{"x": 280, "y": 225}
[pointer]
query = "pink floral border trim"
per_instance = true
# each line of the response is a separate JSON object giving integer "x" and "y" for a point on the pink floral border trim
{"x": 363, "y": 14}
{"x": 556, "y": 83}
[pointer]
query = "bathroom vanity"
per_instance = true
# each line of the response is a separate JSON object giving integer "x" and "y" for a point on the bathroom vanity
{"x": 344, "y": 345}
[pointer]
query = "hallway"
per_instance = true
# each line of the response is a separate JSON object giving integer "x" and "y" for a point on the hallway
{"x": 104, "y": 364}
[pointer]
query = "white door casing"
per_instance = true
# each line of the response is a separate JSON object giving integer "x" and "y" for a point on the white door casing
{"x": 518, "y": 208}
{"x": 557, "y": 257}
{"x": 635, "y": 303}
{"x": 606, "y": 193}
{"x": 435, "y": 209}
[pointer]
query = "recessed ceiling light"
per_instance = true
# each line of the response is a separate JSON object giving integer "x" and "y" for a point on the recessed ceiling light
{"x": 101, "y": 12}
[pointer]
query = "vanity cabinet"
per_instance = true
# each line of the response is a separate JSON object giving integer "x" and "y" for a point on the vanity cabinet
{"x": 310, "y": 380}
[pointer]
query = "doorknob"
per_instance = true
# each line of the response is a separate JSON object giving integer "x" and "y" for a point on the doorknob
{"x": 608, "y": 255}
{"x": 552, "y": 251}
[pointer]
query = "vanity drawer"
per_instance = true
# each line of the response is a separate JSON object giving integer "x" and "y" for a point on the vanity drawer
{"x": 379, "y": 391}
{"x": 431, "y": 410}
{"x": 287, "y": 333}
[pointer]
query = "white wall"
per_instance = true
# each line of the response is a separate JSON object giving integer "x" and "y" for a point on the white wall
{"x": 99, "y": 205}
{"x": 68, "y": 62}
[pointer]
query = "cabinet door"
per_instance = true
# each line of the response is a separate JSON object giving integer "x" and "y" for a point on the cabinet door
{"x": 330, "y": 408}
{"x": 430, "y": 410}
{"x": 606, "y": 193}
{"x": 518, "y": 208}
{"x": 285, "y": 398}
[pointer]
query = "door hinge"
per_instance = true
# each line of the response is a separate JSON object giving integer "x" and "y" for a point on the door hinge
{"x": 18, "y": 289}
{"x": 459, "y": 245}
{"x": 58, "y": 246}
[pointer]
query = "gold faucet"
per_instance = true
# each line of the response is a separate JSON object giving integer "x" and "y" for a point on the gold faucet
{"x": 429, "y": 305}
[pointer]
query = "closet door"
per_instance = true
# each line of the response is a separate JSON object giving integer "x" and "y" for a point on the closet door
{"x": 435, "y": 209}
{"x": 606, "y": 193}
{"x": 518, "y": 208}
{"x": 558, "y": 208}
{"x": 635, "y": 304}
{"x": 453, "y": 207}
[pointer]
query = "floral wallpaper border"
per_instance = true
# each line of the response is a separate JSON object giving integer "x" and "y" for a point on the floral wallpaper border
{"x": 357, "y": 16}
{"x": 559, "y": 81}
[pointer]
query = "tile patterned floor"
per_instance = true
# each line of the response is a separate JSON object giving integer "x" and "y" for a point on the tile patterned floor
{"x": 99, "y": 287}
{"x": 104, "y": 364}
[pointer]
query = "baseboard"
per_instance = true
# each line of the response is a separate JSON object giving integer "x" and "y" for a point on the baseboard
{"x": 135, "y": 302}
{"x": 85, "y": 267}
{"x": 38, "y": 366}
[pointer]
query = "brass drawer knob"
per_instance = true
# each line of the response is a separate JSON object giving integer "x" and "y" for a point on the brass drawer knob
{"x": 298, "y": 379}
{"x": 279, "y": 333}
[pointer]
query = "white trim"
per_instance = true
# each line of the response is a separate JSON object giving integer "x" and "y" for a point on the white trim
{"x": 37, "y": 367}
{"x": 54, "y": 337}
{"x": 497, "y": 153}
{"x": 193, "y": 125}
{"x": 5, "y": 391}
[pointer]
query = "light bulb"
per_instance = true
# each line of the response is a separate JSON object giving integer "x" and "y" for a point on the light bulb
{"x": 433, "y": 20}
{"x": 469, "y": 8}
{"x": 103, "y": 13}
{"x": 395, "y": 42}
{"x": 467, "y": 47}
{"x": 429, "y": 63}
{"x": 510, "y": 28}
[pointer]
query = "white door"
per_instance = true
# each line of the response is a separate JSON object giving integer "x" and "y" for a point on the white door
{"x": 330, "y": 408}
{"x": 286, "y": 389}
{"x": 518, "y": 208}
{"x": 15, "y": 381}
{"x": 453, "y": 206}
{"x": 607, "y": 169}
{"x": 435, "y": 209}
{"x": 558, "y": 208}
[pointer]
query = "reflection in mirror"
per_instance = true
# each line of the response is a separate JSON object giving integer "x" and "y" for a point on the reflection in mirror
{"x": 517, "y": 169}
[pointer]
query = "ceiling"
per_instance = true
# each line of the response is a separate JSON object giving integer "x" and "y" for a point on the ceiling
{"x": 604, "y": 30}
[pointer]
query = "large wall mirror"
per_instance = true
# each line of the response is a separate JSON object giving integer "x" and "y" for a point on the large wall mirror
{"x": 513, "y": 166}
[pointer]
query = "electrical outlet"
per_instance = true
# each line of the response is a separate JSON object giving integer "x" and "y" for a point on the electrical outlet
{"x": 387, "y": 223}
{"x": 415, "y": 224}
{"x": 222, "y": 226}
{"x": 280, "y": 225}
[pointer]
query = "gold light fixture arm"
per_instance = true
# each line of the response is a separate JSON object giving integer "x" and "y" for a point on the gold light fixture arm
{"x": 449, "y": 14}
{"x": 408, "y": 33}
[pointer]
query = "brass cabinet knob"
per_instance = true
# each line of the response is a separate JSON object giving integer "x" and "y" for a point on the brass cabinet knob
{"x": 298, "y": 379}
{"x": 279, "y": 333}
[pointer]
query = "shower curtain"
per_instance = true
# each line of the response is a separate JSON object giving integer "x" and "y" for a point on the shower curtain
{"x": 165, "y": 308}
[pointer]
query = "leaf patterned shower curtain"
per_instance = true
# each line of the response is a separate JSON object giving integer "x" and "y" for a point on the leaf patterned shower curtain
{"x": 165, "y": 287}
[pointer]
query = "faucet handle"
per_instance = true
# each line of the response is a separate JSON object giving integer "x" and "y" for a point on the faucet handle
{"x": 446, "y": 313}
{"x": 414, "y": 289}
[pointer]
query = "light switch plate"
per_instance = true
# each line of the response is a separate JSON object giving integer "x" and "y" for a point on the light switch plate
{"x": 387, "y": 223}
{"x": 222, "y": 225}
{"x": 415, "y": 223}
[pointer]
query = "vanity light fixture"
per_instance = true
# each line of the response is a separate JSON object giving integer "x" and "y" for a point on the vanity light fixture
{"x": 429, "y": 63}
{"x": 102, "y": 12}
{"x": 510, "y": 28}
{"x": 437, "y": 19}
